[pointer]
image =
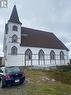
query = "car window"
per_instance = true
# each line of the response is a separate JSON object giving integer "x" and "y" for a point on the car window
{"x": 12, "y": 70}
{"x": 1, "y": 70}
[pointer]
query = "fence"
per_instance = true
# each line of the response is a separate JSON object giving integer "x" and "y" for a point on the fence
{"x": 34, "y": 60}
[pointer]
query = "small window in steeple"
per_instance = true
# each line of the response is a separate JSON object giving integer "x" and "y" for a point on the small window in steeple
{"x": 14, "y": 38}
{"x": 6, "y": 28}
{"x": 14, "y": 50}
{"x": 15, "y": 28}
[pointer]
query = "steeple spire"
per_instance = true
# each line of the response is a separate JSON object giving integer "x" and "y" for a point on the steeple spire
{"x": 14, "y": 16}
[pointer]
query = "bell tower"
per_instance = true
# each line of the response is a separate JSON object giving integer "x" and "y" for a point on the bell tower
{"x": 12, "y": 38}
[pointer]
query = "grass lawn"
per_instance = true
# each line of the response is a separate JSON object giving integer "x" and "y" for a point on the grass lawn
{"x": 37, "y": 84}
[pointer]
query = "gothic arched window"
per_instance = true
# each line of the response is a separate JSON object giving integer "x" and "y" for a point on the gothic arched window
{"x": 52, "y": 55}
{"x": 41, "y": 55}
{"x": 15, "y": 28}
{"x": 28, "y": 54}
{"x": 61, "y": 55}
{"x": 14, "y": 50}
{"x": 14, "y": 38}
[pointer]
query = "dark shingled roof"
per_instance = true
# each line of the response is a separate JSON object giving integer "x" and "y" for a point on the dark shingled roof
{"x": 42, "y": 39}
{"x": 14, "y": 16}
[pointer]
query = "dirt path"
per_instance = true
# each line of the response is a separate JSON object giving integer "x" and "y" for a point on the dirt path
{"x": 14, "y": 90}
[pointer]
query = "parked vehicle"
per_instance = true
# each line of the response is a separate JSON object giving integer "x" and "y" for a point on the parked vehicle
{"x": 11, "y": 75}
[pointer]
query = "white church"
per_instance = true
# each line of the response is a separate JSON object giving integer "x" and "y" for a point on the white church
{"x": 30, "y": 47}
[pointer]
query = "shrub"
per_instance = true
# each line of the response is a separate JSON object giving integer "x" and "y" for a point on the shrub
{"x": 64, "y": 68}
{"x": 61, "y": 73}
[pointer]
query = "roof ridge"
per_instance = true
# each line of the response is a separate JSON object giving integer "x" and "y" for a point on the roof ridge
{"x": 37, "y": 30}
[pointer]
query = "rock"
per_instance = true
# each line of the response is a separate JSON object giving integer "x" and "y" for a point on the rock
{"x": 53, "y": 80}
{"x": 47, "y": 79}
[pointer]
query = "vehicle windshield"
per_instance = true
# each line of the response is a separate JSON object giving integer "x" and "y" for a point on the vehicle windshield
{"x": 11, "y": 70}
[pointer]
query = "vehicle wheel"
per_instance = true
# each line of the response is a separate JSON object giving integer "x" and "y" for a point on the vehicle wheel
{"x": 23, "y": 81}
{"x": 2, "y": 84}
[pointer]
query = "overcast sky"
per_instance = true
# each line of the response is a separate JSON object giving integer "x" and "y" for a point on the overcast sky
{"x": 49, "y": 15}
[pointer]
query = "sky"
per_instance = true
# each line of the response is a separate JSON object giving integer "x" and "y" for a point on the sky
{"x": 48, "y": 15}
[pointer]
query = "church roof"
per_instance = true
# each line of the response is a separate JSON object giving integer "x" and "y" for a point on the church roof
{"x": 14, "y": 16}
{"x": 42, "y": 39}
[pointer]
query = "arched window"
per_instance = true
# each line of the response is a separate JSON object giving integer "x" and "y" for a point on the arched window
{"x": 15, "y": 28}
{"x": 14, "y": 50}
{"x": 28, "y": 54}
{"x": 52, "y": 55}
{"x": 61, "y": 55}
{"x": 41, "y": 55}
{"x": 14, "y": 38}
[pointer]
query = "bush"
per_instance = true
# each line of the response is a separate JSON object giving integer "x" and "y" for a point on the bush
{"x": 62, "y": 73}
{"x": 64, "y": 68}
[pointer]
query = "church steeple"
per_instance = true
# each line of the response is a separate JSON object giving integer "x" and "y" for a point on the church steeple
{"x": 14, "y": 16}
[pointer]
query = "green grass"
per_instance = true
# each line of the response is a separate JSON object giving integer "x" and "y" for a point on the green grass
{"x": 48, "y": 89}
{"x": 61, "y": 73}
{"x": 44, "y": 87}
{"x": 35, "y": 85}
